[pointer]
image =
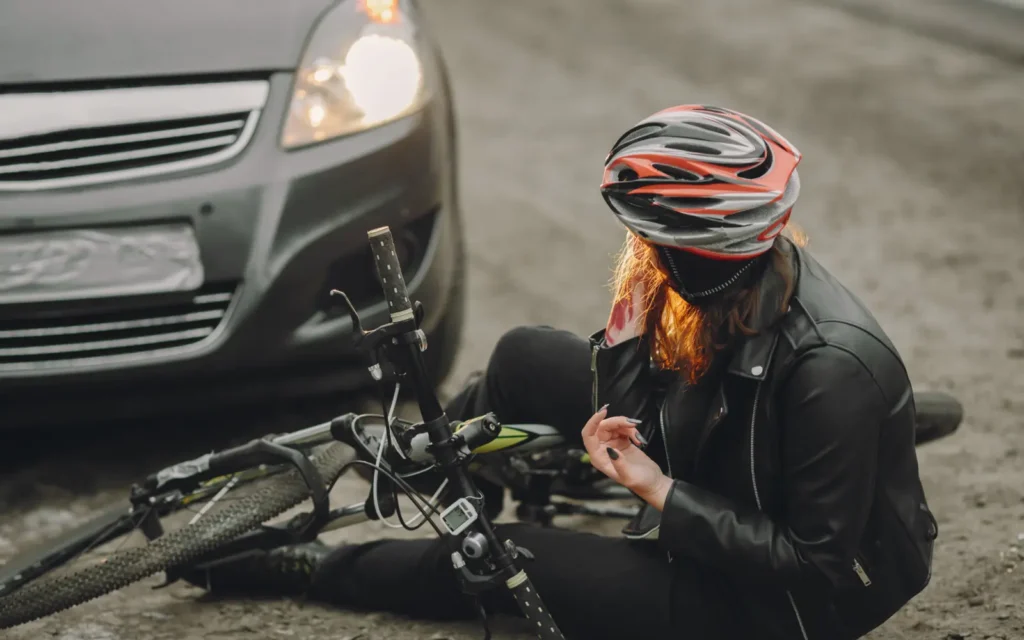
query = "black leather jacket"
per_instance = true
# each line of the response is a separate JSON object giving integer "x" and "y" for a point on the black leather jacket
{"x": 805, "y": 491}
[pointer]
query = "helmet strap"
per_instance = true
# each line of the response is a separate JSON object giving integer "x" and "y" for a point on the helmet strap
{"x": 698, "y": 279}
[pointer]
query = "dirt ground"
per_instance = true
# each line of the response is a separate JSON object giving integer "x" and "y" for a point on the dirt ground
{"x": 914, "y": 149}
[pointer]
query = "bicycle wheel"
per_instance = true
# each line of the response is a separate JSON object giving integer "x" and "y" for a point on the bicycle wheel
{"x": 265, "y": 499}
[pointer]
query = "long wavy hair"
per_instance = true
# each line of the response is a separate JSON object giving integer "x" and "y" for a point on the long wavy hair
{"x": 685, "y": 337}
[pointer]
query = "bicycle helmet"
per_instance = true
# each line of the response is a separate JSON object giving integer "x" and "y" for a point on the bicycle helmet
{"x": 703, "y": 180}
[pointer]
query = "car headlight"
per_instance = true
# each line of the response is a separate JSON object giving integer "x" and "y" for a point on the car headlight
{"x": 361, "y": 69}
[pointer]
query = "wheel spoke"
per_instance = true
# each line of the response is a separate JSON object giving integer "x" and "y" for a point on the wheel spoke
{"x": 209, "y": 505}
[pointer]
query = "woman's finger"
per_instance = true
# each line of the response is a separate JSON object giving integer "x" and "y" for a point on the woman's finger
{"x": 615, "y": 431}
{"x": 617, "y": 441}
{"x": 620, "y": 421}
{"x": 590, "y": 428}
{"x": 613, "y": 428}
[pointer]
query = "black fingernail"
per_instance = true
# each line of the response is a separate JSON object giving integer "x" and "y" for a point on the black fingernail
{"x": 612, "y": 453}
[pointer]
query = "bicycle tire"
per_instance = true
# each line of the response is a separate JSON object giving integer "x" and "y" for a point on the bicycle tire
{"x": 276, "y": 494}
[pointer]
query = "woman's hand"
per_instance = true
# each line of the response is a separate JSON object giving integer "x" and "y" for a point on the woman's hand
{"x": 613, "y": 445}
{"x": 626, "y": 318}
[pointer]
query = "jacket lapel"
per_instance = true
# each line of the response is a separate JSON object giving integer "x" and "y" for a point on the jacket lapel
{"x": 718, "y": 411}
{"x": 753, "y": 354}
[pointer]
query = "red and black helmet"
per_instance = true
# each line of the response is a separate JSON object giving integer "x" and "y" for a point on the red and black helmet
{"x": 705, "y": 180}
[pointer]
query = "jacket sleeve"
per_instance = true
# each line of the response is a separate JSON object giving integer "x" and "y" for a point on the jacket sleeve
{"x": 623, "y": 378}
{"x": 831, "y": 410}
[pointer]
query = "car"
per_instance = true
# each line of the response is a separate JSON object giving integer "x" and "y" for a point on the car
{"x": 182, "y": 185}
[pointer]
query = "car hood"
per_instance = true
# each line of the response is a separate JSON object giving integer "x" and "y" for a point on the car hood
{"x": 71, "y": 40}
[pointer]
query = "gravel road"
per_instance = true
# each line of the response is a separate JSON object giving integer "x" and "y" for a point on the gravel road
{"x": 913, "y": 153}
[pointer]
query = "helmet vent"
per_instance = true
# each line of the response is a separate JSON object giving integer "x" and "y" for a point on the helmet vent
{"x": 637, "y": 133}
{"x": 677, "y": 173}
{"x": 759, "y": 169}
{"x": 693, "y": 147}
{"x": 709, "y": 127}
{"x": 689, "y": 203}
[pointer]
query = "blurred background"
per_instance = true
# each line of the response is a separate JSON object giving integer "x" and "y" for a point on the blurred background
{"x": 909, "y": 115}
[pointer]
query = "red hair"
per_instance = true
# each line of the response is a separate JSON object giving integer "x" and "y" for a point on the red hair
{"x": 684, "y": 337}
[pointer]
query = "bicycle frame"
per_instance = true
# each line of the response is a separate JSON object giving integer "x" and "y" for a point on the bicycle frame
{"x": 512, "y": 440}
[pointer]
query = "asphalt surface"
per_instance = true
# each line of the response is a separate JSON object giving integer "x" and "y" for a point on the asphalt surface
{"x": 912, "y": 194}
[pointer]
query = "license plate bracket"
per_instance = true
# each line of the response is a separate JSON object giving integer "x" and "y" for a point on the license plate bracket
{"x": 81, "y": 264}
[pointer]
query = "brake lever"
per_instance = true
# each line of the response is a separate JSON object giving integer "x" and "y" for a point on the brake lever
{"x": 366, "y": 342}
{"x": 351, "y": 310}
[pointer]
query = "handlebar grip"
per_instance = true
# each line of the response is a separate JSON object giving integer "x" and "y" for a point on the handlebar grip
{"x": 389, "y": 272}
{"x": 480, "y": 432}
{"x": 533, "y": 607}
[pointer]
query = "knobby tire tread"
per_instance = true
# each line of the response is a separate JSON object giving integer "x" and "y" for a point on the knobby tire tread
{"x": 59, "y": 591}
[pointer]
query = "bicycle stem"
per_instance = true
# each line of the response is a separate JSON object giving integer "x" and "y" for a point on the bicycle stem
{"x": 445, "y": 447}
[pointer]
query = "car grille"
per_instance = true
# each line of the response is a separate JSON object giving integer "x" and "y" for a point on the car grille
{"x": 89, "y": 337}
{"x": 72, "y": 138}
{"x": 68, "y": 155}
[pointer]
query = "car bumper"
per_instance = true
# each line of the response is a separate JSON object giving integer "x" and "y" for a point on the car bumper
{"x": 276, "y": 230}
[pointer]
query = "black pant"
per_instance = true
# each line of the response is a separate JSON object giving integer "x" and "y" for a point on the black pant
{"x": 595, "y": 586}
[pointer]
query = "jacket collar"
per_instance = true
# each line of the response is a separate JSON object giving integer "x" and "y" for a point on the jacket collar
{"x": 753, "y": 354}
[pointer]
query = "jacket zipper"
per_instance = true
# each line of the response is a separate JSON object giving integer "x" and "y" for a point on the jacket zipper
{"x": 593, "y": 369}
{"x": 858, "y": 568}
{"x": 757, "y": 499}
{"x": 664, "y": 440}
{"x": 664, "y": 443}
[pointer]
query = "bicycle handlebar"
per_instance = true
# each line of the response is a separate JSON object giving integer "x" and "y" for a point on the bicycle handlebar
{"x": 389, "y": 273}
{"x": 532, "y": 606}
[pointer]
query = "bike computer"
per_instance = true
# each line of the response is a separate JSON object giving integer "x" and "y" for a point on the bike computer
{"x": 458, "y": 516}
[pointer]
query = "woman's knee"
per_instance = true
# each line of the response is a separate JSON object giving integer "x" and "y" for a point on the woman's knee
{"x": 516, "y": 344}
{"x": 539, "y": 374}
{"x": 534, "y": 343}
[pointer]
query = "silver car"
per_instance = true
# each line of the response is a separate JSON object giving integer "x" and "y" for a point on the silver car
{"x": 182, "y": 184}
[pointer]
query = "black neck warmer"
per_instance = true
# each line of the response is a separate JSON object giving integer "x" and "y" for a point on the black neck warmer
{"x": 699, "y": 279}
